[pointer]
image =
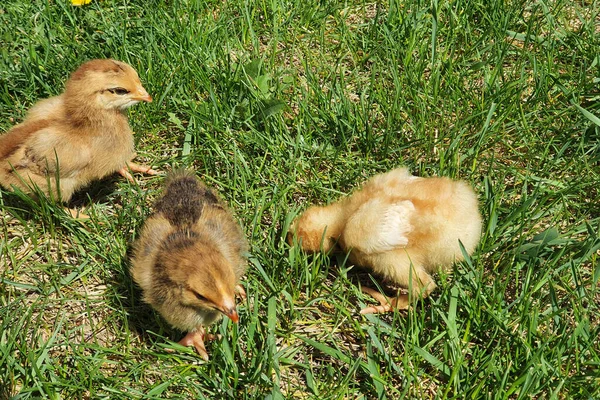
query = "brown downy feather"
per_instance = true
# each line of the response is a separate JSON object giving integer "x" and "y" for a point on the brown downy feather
{"x": 184, "y": 198}
{"x": 13, "y": 139}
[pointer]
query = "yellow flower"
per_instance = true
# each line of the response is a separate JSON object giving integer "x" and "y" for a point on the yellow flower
{"x": 80, "y": 2}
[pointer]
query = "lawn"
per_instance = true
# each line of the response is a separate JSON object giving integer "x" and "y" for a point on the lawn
{"x": 279, "y": 104}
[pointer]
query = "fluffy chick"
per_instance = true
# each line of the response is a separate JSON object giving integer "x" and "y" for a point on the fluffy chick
{"x": 189, "y": 258}
{"x": 402, "y": 227}
{"x": 80, "y": 136}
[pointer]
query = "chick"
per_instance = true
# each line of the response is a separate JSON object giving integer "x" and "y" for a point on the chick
{"x": 189, "y": 258}
{"x": 402, "y": 227}
{"x": 80, "y": 136}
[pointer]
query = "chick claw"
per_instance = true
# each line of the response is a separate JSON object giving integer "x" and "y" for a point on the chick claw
{"x": 239, "y": 290}
{"x": 136, "y": 168}
{"x": 386, "y": 304}
{"x": 77, "y": 214}
{"x": 196, "y": 339}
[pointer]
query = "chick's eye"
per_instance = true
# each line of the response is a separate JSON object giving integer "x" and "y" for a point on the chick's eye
{"x": 118, "y": 90}
{"x": 200, "y": 297}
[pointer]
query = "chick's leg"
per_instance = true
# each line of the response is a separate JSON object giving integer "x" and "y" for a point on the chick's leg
{"x": 196, "y": 338}
{"x": 403, "y": 273}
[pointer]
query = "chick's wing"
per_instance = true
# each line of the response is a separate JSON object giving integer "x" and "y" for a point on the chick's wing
{"x": 379, "y": 225}
{"x": 48, "y": 150}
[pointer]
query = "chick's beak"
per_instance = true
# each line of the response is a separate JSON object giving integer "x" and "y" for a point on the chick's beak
{"x": 232, "y": 314}
{"x": 142, "y": 95}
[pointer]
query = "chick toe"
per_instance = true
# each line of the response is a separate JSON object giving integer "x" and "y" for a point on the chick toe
{"x": 125, "y": 174}
{"x": 196, "y": 339}
{"x": 386, "y": 304}
{"x": 144, "y": 169}
{"x": 77, "y": 214}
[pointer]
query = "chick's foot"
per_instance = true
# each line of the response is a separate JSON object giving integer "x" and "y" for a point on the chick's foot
{"x": 125, "y": 173}
{"x": 77, "y": 214}
{"x": 386, "y": 304}
{"x": 240, "y": 291}
{"x": 144, "y": 169}
{"x": 196, "y": 338}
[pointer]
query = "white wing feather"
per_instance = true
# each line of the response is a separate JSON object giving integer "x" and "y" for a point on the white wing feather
{"x": 395, "y": 226}
{"x": 383, "y": 226}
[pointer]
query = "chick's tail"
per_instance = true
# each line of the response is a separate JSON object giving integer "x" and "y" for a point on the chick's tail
{"x": 184, "y": 198}
{"x": 181, "y": 174}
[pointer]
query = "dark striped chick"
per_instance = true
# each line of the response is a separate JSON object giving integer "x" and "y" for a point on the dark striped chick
{"x": 189, "y": 258}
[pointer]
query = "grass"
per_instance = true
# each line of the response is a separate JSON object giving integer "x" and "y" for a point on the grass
{"x": 281, "y": 104}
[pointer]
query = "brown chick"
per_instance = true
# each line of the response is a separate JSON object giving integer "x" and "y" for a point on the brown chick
{"x": 402, "y": 227}
{"x": 81, "y": 135}
{"x": 189, "y": 258}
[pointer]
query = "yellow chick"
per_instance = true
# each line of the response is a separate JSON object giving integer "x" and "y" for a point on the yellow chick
{"x": 81, "y": 135}
{"x": 189, "y": 258}
{"x": 402, "y": 227}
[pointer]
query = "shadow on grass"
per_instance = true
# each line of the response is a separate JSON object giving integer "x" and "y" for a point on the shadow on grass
{"x": 96, "y": 192}
{"x": 26, "y": 207}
